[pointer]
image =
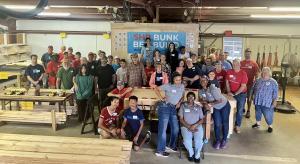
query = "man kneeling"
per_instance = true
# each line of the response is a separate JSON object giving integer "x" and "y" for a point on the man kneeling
{"x": 132, "y": 126}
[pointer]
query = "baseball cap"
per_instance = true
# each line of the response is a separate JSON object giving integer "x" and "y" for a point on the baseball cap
{"x": 117, "y": 57}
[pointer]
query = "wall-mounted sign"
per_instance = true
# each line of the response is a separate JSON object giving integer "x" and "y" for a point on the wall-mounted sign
{"x": 159, "y": 40}
{"x": 62, "y": 35}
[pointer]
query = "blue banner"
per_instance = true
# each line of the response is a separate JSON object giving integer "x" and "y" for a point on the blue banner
{"x": 159, "y": 40}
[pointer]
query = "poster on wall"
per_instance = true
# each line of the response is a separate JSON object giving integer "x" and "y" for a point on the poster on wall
{"x": 159, "y": 40}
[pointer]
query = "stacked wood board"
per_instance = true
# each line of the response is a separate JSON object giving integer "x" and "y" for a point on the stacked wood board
{"x": 17, "y": 149}
{"x": 14, "y": 53}
{"x": 53, "y": 118}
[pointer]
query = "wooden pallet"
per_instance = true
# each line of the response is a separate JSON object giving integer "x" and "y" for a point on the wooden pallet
{"x": 16, "y": 148}
{"x": 53, "y": 118}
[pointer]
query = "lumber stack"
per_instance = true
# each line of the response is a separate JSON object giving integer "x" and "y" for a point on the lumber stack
{"x": 52, "y": 117}
{"x": 16, "y": 148}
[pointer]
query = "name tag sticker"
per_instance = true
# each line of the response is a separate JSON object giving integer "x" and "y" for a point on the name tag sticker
{"x": 250, "y": 67}
{"x": 173, "y": 91}
{"x": 231, "y": 76}
{"x": 172, "y": 54}
{"x": 135, "y": 117}
{"x": 187, "y": 110}
{"x": 114, "y": 114}
{"x": 203, "y": 95}
{"x": 268, "y": 83}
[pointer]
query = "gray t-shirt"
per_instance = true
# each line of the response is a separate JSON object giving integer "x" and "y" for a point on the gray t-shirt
{"x": 173, "y": 93}
{"x": 121, "y": 74}
{"x": 212, "y": 94}
{"x": 190, "y": 114}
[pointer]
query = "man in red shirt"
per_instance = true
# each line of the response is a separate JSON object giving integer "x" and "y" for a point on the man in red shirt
{"x": 236, "y": 85}
{"x": 76, "y": 62}
{"x": 122, "y": 93}
{"x": 52, "y": 69}
{"x": 61, "y": 53}
{"x": 71, "y": 56}
{"x": 252, "y": 70}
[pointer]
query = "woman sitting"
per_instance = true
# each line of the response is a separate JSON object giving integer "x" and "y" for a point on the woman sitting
{"x": 211, "y": 97}
{"x": 191, "y": 119}
{"x": 158, "y": 77}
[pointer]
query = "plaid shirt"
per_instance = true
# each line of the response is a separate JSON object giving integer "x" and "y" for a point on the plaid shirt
{"x": 136, "y": 75}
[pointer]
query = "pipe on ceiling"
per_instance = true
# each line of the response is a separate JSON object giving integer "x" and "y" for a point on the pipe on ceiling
{"x": 5, "y": 12}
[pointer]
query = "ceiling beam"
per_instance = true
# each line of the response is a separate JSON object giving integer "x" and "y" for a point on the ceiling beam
{"x": 162, "y": 3}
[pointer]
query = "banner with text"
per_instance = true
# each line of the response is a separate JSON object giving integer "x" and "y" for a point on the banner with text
{"x": 159, "y": 40}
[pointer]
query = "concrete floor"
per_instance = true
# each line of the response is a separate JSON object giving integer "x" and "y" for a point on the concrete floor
{"x": 251, "y": 146}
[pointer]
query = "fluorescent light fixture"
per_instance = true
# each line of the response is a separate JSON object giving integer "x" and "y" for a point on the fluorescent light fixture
{"x": 288, "y": 16}
{"x": 255, "y": 8}
{"x": 54, "y": 14}
{"x": 22, "y": 7}
{"x": 284, "y": 8}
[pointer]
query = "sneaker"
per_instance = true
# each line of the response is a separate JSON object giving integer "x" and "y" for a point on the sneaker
{"x": 223, "y": 144}
{"x": 270, "y": 129}
{"x": 197, "y": 160}
{"x": 217, "y": 145}
{"x": 148, "y": 137}
{"x": 191, "y": 159}
{"x": 247, "y": 114}
{"x": 163, "y": 154}
{"x": 255, "y": 126}
{"x": 170, "y": 150}
{"x": 237, "y": 130}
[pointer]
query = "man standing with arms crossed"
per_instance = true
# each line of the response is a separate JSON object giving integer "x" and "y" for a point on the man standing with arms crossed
{"x": 252, "y": 70}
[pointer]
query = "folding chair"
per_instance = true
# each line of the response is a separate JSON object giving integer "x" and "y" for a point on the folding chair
{"x": 90, "y": 109}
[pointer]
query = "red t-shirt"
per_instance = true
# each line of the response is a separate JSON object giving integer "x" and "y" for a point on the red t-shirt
{"x": 251, "y": 68}
{"x": 236, "y": 79}
{"x": 52, "y": 67}
{"x": 60, "y": 56}
{"x": 109, "y": 119}
{"x": 76, "y": 64}
{"x": 221, "y": 77}
{"x": 119, "y": 92}
{"x": 148, "y": 72}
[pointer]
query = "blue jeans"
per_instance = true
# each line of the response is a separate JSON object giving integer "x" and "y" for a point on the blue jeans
{"x": 221, "y": 121}
{"x": 188, "y": 141}
{"x": 266, "y": 111}
{"x": 240, "y": 105}
{"x": 167, "y": 114}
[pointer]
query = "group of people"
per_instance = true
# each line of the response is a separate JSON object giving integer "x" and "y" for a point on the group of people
{"x": 170, "y": 72}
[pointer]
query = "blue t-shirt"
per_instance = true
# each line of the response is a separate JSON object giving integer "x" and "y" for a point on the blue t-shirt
{"x": 134, "y": 118}
{"x": 173, "y": 93}
{"x": 115, "y": 67}
{"x": 226, "y": 65}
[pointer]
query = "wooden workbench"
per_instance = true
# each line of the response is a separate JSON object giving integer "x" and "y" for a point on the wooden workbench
{"x": 51, "y": 116}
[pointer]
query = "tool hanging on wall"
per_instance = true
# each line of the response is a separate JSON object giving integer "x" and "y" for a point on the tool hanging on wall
{"x": 258, "y": 57}
{"x": 263, "y": 61}
{"x": 294, "y": 63}
{"x": 269, "y": 63}
{"x": 276, "y": 57}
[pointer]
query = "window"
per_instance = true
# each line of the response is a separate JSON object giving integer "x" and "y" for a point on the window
{"x": 234, "y": 46}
